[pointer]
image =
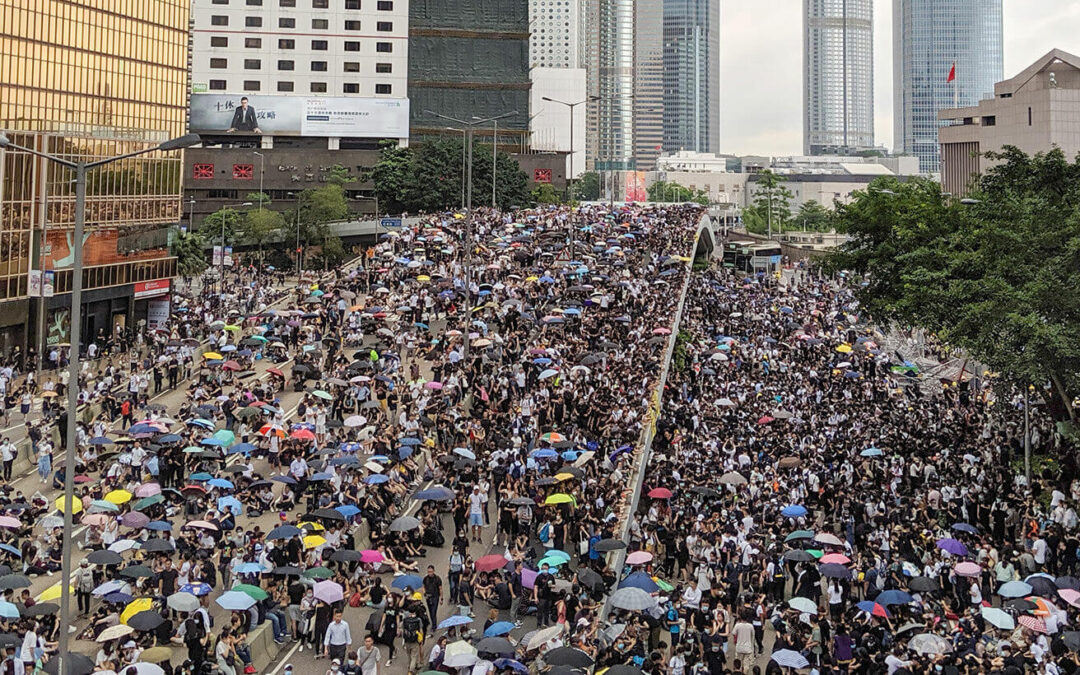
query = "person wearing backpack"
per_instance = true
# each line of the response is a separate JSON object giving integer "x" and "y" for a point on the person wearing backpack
{"x": 412, "y": 635}
{"x": 457, "y": 564}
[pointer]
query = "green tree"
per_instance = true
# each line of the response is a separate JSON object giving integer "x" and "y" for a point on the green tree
{"x": 339, "y": 175}
{"x": 814, "y": 217}
{"x": 225, "y": 220}
{"x": 390, "y": 175}
{"x": 260, "y": 227}
{"x": 190, "y": 251}
{"x": 545, "y": 193}
{"x": 587, "y": 187}
{"x": 772, "y": 204}
{"x": 996, "y": 277}
{"x": 664, "y": 191}
{"x": 258, "y": 199}
{"x": 433, "y": 177}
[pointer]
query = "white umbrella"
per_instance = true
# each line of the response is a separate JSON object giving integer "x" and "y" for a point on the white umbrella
{"x": 732, "y": 478}
{"x": 183, "y": 602}
{"x": 142, "y": 668}
{"x": 929, "y": 644}
{"x": 544, "y": 635}
{"x": 805, "y": 605}
{"x": 726, "y": 402}
{"x": 632, "y": 599}
{"x": 114, "y": 632}
{"x": 355, "y": 421}
{"x": 789, "y": 658}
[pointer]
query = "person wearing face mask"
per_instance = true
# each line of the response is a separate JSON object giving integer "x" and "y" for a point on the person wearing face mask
{"x": 365, "y": 660}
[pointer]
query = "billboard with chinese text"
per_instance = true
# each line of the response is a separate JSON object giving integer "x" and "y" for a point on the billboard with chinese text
{"x": 300, "y": 115}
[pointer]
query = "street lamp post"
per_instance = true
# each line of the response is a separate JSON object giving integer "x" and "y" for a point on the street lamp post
{"x": 74, "y": 362}
{"x": 221, "y": 265}
{"x": 468, "y": 126}
{"x": 262, "y": 174}
{"x": 571, "y": 106}
{"x": 299, "y": 251}
{"x": 463, "y": 132}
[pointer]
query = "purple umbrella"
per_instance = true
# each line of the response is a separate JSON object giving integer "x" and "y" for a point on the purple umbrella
{"x": 329, "y": 592}
{"x": 135, "y": 519}
{"x": 952, "y": 546}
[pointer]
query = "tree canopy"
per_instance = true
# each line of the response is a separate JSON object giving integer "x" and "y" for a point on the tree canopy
{"x": 995, "y": 274}
{"x": 772, "y": 205}
{"x": 664, "y": 191}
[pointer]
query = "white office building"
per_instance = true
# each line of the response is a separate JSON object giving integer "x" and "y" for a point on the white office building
{"x": 554, "y": 35}
{"x": 325, "y": 51}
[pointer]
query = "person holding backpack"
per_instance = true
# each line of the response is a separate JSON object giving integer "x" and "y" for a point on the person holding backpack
{"x": 412, "y": 635}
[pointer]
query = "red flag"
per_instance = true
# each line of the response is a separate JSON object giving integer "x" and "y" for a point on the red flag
{"x": 952, "y": 73}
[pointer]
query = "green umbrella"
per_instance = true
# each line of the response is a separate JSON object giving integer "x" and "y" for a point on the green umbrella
{"x": 318, "y": 573}
{"x": 254, "y": 591}
{"x": 664, "y": 586}
{"x": 148, "y": 501}
{"x": 259, "y": 338}
{"x": 799, "y": 534}
{"x": 102, "y": 505}
{"x": 322, "y": 394}
{"x": 815, "y": 552}
{"x": 192, "y": 448}
{"x": 250, "y": 411}
{"x": 225, "y": 436}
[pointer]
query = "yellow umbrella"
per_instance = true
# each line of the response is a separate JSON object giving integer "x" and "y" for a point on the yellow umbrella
{"x": 458, "y": 216}
{"x": 213, "y": 356}
{"x": 532, "y": 278}
{"x": 76, "y": 505}
{"x": 561, "y": 498}
{"x": 232, "y": 328}
{"x": 844, "y": 349}
{"x": 313, "y": 540}
{"x": 314, "y": 526}
{"x": 53, "y": 592}
{"x": 118, "y": 497}
{"x": 423, "y": 277}
{"x": 563, "y": 476}
{"x": 134, "y": 607}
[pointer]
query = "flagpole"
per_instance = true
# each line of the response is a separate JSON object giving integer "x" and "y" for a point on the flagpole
{"x": 955, "y": 88}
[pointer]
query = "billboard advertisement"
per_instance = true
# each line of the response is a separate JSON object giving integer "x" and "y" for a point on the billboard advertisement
{"x": 300, "y": 115}
{"x": 635, "y": 187}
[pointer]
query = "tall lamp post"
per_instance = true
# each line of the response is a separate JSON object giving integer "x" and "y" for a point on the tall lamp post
{"x": 570, "y": 164}
{"x": 299, "y": 251}
{"x": 262, "y": 174}
{"x": 74, "y": 362}
{"x": 469, "y": 125}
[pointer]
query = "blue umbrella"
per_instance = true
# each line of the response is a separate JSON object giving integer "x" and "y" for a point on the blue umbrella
{"x": 159, "y": 525}
{"x": 197, "y": 590}
{"x": 249, "y": 568}
{"x": 376, "y": 479}
{"x": 404, "y": 452}
{"x": 11, "y": 549}
{"x": 435, "y": 494}
{"x": 407, "y": 581}
{"x": 542, "y": 361}
{"x": 1014, "y": 589}
{"x": 516, "y": 666}
{"x": 964, "y": 527}
{"x": 231, "y": 503}
{"x": 347, "y": 510}
{"x": 118, "y": 598}
{"x": 167, "y": 438}
{"x": 455, "y": 620}
{"x": 212, "y": 441}
{"x": 143, "y": 429}
{"x": 793, "y": 511}
{"x": 345, "y": 461}
{"x": 640, "y": 580}
{"x": 8, "y": 610}
{"x": 201, "y": 476}
{"x": 322, "y": 475}
{"x": 893, "y": 597}
{"x": 545, "y": 453}
{"x": 872, "y": 452}
{"x": 283, "y": 532}
{"x": 569, "y": 455}
{"x": 410, "y": 441}
{"x": 200, "y": 422}
{"x": 235, "y": 601}
{"x": 241, "y": 447}
{"x": 498, "y": 628}
{"x": 220, "y": 483}
{"x": 100, "y": 440}
{"x": 288, "y": 480}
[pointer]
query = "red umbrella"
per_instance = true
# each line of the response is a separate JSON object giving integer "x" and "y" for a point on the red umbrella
{"x": 764, "y": 419}
{"x": 230, "y": 365}
{"x": 275, "y": 371}
{"x": 490, "y": 563}
{"x": 660, "y": 493}
{"x": 1033, "y": 622}
{"x": 303, "y": 435}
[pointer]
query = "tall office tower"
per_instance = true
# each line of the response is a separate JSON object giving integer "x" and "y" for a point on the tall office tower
{"x": 469, "y": 58}
{"x": 554, "y": 33}
{"x": 691, "y": 75}
{"x": 612, "y": 66}
{"x": 838, "y": 76}
{"x": 326, "y": 81}
{"x": 930, "y": 38}
{"x": 88, "y": 80}
{"x": 649, "y": 84}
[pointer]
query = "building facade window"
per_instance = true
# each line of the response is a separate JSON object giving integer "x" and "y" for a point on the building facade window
{"x": 284, "y": 85}
{"x": 384, "y": 68}
{"x": 352, "y": 46}
{"x": 352, "y": 25}
{"x": 318, "y": 87}
{"x": 252, "y": 64}
{"x": 352, "y": 4}
{"x": 320, "y": 24}
{"x": 219, "y": 41}
{"x": 318, "y": 66}
{"x": 253, "y": 21}
{"x": 252, "y": 85}
{"x": 219, "y": 20}
{"x": 286, "y": 44}
{"x": 202, "y": 171}
{"x": 243, "y": 171}
{"x": 286, "y": 23}
{"x": 385, "y": 6}
{"x": 253, "y": 43}
{"x": 383, "y": 89}
{"x": 285, "y": 65}
{"x": 384, "y": 26}
{"x": 319, "y": 45}
{"x": 218, "y": 85}
{"x": 219, "y": 63}
{"x": 351, "y": 88}
{"x": 384, "y": 47}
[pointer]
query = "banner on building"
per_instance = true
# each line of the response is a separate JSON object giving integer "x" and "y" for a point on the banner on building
{"x": 228, "y": 257}
{"x": 35, "y": 284}
{"x": 58, "y": 331}
{"x": 157, "y": 313}
{"x": 635, "y": 187}
{"x": 150, "y": 289}
{"x": 299, "y": 115}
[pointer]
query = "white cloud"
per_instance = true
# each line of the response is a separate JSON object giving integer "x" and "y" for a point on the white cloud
{"x": 761, "y": 65}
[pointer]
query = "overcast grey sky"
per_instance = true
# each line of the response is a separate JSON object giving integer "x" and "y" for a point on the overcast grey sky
{"x": 761, "y": 65}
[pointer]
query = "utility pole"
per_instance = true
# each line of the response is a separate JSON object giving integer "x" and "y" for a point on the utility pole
{"x": 494, "y": 164}
{"x": 1027, "y": 436}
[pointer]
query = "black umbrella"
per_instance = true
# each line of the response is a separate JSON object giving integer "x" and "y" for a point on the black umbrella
{"x": 1019, "y": 605}
{"x": 495, "y": 645}
{"x": 146, "y": 620}
{"x": 623, "y": 669}
{"x": 835, "y": 571}
{"x": 1042, "y": 586}
{"x": 1068, "y": 582}
{"x": 1071, "y": 639}
{"x": 568, "y": 656}
{"x": 572, "y": 470}
{"x": 287, "y": 570}
{"x": 562, "y": 445}
{"x": 346, "y": 555}
{"x": 13, "y": 581}
{"x": 798, "y": 555}
{"x": 283, "y": 532}
{"x": 923, "y": 585}
{"x": 157, "y": 545}
{"x": 9, "y": 640}
{"x": 74, "y": 664}
{"x": 605, "y": 545}
{"x": 136, "y": 571}
{"x": 589, "y": 578}
{"x": 40, "y": 609}
{"x": 105, "y": 557}
{"x": 521, "y": 501}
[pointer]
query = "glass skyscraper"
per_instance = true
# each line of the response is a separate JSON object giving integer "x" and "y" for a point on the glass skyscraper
{"x": 929, "y": 36}
{"x": 838, "y": 76}
{"x": 691, "y": 75}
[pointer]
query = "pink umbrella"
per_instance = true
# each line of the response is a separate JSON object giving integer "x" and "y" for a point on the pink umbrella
{"x": 371, "y": 556}
{"x": 434, "y": 385}
{"x": 638, "y": 558}
{"x": 838, "y": 558}
{"x": 661, "y": 331}
{"x": 148, "y": 490}
{"x": 764, "y": 419}
{"x": 660, "y": 493}
{"x": 1070, "y": 596}
{"x": 968, "y": 569}
{"x": 329, "y": 592}
{"x": 1033, "y": 622}
{"x": 8, "y": 521}
{"x": 95, "y": 519}
{"x": 202, "y": 525}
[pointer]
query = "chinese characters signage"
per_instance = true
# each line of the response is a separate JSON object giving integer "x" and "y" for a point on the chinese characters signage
{"x": 299, "y": 115}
